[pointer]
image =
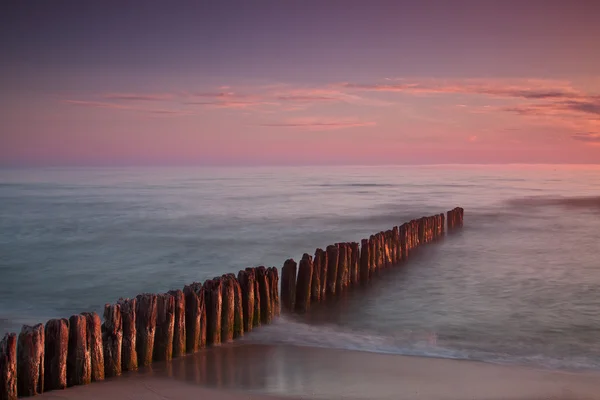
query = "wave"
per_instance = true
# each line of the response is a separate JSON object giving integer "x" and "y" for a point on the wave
{"x": 292, "y": 332}
{"x": 587, "y": 202}
{"x": 354, "y": 185}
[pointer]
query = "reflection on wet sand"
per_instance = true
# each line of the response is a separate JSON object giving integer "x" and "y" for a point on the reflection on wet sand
{"x": 326, "y": 373}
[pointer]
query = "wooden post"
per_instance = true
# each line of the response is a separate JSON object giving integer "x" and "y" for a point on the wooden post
{"x": 8, "y": 367}
{"x": 238, "y": 312}
{"x": 30, "y": 361}
{"x": 382, "y": 250}
{"x": 214, "y": 305}
{"x": 195, "y": 317}
{"x": 179, "y": 331}
{"x": 443, "y": 224}
{"x": 324, "y": 261}
{"x": 305, "y": 271}
{"x": 372, "y": 255}
{"x": 79, "y": 362}
{"x": 364, "y": 260}
{"x": 129, "y": 359}
{"x": 94, "y": 345}
{"x": 246, "y": 280}
{"x": 257, "y": 306}
{"x": 273, "y": 276}
{"x": 165, "y": 327}
{"x": 347, "y": 272}
{"x": 315, "y": 284}
{"x": 228, "y": 309}
{"x": 378, "y": 252}
{"x": 266, "y": 312}
{"x": 56, "y": 337}
{"x": 395, "y": 245}
{"x": 288, "y": 284}
{"x": 333, "y": 255}
{"x": 354, "y": 264}
{"x": 112, "y": 339}
{"x": 390, "y": 244}
{"x": 145, "y": 320}
{"x": 342, "y": 268}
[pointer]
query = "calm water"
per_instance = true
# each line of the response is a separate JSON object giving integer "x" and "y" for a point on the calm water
{"x": 519, "y": 284}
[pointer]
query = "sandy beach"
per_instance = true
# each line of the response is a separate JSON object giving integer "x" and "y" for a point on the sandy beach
{"x": 243, "y": 371}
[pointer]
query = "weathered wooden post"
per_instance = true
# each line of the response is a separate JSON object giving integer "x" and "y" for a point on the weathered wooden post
{"x": 374, "y": 254}
{"x": 179, "y": 331}
{"x": 266, "y": 311}
{"x": 238, "y": 313}
{"x": 333, "y": 255}
{"x": 79, "y": 362}
{"x": 389, "y": 250}
{"x": 315, "y": 284}
{"x": 145, "y": 319}
{"x": 94, "y": 345}
{"x": 348, "y": 270}
{"x": 364, "y": 260}
{"x": 383, "y": 254}
{"x": 288, "y": 284}
{"x": 228, "y": 309}
{"x": 396, "y": 245}
{"x": 8, "y": 367}
{"x": 354, "y": 264}
{"x": 443, "y": 224}
{"x": 30, "y": 361}
{"x": 112, "y": 339}
{"x": 56, "y": 337}
{"x": 324, "y": 261}
{"x": 129, "y": 359}
{"x": 379, "y": 250}
{"x": 165, "y": 327}
{"x": 273, "y": 276}
{"x": 342, "y": 269}
{"x": 195, "y": 317}
{"x": 247, "y": 282}
{"x": 257, "y": 306}
{"x": 316, "y": 289}
{"x": 214, "y": 306}
{"x": 305, "y": 271}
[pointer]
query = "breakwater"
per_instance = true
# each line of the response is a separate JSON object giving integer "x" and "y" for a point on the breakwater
{"x": 158, "y": 327}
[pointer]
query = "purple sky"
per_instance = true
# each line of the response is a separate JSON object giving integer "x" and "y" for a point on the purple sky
{"x": 299, "y": 82}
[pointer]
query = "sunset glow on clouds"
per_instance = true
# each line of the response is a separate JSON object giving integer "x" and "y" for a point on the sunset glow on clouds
{"x": 432, "y": 106}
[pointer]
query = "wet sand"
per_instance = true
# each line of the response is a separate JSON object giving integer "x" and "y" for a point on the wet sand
{"x": 247, "y": 371}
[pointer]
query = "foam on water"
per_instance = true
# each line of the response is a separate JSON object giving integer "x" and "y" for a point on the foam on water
{"x": 289, "y": 331}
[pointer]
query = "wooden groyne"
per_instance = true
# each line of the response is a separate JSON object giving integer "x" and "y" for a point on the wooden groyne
{"x": 159, "y": 327}
{"x": 343, "y": 265}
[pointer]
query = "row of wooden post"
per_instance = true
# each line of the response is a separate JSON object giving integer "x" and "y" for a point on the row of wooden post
{"x": 158, "y": 327}
{"x": 136, "y": 332}
{"x": 343, "y": 265}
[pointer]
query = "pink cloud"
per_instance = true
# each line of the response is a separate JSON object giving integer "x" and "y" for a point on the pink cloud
{"x": 99, "y": 104}
{"x": 590, "y": 138}
{"x": 138, "y": 97}
{"x": 526, "y": 89}
{"x": 320, "y": 124}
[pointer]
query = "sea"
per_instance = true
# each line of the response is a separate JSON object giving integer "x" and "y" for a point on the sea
{"x": 518, "y": 284}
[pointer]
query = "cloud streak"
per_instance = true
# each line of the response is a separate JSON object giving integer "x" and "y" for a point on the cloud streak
{"x": 105, "y": 105}
{"x": 593, "y": 138}
{"x": 319, "y": 124}
{"x": 527, "y": 89}
{"x": 137, "y": 97}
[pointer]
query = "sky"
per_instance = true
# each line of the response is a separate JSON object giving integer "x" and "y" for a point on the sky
{"x": 299, "y": 82}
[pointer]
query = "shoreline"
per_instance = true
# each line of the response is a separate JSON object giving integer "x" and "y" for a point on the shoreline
{"x": 256, "y": 371}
